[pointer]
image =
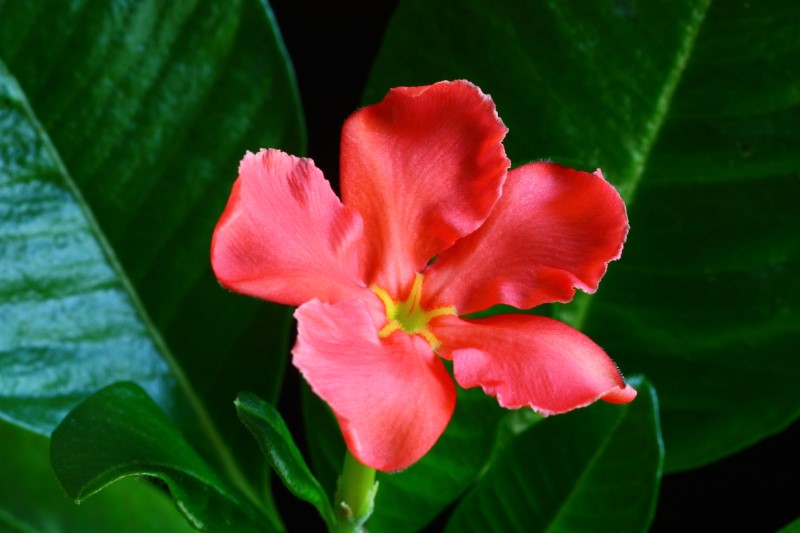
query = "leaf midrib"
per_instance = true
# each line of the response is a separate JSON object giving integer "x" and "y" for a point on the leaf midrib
{"x": 599, "y": 451}
{"x": 231, "y": 468}
{"x": 652, "y": 129}
{"x": 14, "y": 523}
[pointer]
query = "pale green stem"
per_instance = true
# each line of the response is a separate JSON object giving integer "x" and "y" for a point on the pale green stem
{"x": 355, "y": 495}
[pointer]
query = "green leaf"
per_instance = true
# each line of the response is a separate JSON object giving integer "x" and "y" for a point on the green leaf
{"x": 704, "y": 300}
{"x": 122, "y": 127}
{"x": 70, "y": 324}
{"x": 595, "y": 469}
{"x": 793, "y": 527}
{"x": 31, "y": 499}
{"x": 120, "y": 432}
{"x": 269, "y": 429}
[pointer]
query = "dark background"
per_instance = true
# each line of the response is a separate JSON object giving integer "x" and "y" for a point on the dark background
{"x": 332, "y": 46}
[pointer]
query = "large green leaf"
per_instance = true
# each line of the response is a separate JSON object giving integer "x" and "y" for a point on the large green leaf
{"x": 120, "y": 432}
{"x": 31, "y": 499}
{"x": 691, "y": 110}
{"x": 69, "y": 321}
{"x": 121, "y": 138}
{"x": 596, "y": 469}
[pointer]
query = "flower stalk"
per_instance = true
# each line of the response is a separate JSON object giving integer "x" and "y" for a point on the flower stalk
{"x": 355, "y": 496}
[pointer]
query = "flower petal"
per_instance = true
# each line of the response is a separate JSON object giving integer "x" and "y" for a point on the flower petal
{"x": 392, "y": 397}
{"x": 284, "y": 235}
{"x": 424, "y": 167}
{"x": 552, "y": 230}
{"x": 535, "y": 361}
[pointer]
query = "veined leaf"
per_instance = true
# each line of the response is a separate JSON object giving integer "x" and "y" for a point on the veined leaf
{"x": 691, "y": 109}
{"x": 32, "y": 501}
{"x": 120, "y": 432}
{"x": 122, "y": 126}
{"x": 595, "y": 469}
{"x": 70, "y": 322}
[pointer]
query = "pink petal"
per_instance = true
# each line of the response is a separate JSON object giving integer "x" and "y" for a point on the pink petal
{"x": 552, "y": 230}
{"x": 284, "y": 235}
{"x": 424, "y": 167}
{"x": 392, "y": 397}
{"x": 534, "y": 361}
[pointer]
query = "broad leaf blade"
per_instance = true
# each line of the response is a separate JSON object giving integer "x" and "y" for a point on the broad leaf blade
{"x": 31, "y": 499}
{"x": 69, "y": 323}
{"x": 704, "y": 300}
{"x": 595, "y": 469}
{"x": 555, "y": 71}
{"x": 269, "y": 429}
{"x": 150, "y": 106}
{"x": 120, "y": 432}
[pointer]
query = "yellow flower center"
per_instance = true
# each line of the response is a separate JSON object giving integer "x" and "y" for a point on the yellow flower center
{"x": 408, "y": 315}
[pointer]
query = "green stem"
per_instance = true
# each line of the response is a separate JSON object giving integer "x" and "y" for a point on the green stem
{"x": 355, "y": 495}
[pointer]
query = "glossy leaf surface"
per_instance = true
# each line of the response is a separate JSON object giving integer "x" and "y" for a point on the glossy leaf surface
{"x": 121, "y": 138}
{"x": 269, "y": 429}
{"x": 120, "y": 432}
{"x": 704, "y": 300}
{"x": 70, "y": 322}
{"x": 32, "y": 500}
{"x": 594, "y": 469}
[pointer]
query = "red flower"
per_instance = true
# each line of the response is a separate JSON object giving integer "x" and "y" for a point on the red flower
{"x": 431, "y": 227}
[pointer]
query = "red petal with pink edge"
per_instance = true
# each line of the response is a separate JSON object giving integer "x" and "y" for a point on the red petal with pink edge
{"x": 284, "y": 235}
{"x": 424, "y": 167}
{"x": 552, "y": 230}
{"x": 535, "y": 361}
{"x": 392, "y": 397}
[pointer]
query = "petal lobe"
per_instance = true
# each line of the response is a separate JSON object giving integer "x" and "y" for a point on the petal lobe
{"x": 284, "y": 235}
{"x": 424, "y": 167}
{"x": 392, "y": 397}
{"x": 553, "y": 229}
{"x": 527, "y": 360}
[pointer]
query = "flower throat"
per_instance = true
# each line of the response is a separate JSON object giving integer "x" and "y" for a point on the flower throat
{"x": 408, "y": 315}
